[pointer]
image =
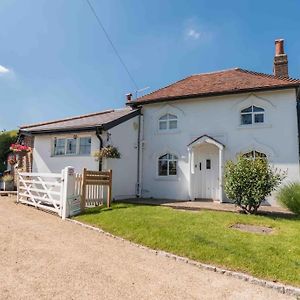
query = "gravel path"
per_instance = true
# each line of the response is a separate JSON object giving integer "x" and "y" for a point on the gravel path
{"x": 43, "y": 257}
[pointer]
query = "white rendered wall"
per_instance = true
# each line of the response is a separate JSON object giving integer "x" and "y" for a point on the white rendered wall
{"x": 123, "y": 136}
{"x": 45, "y": 161}
{"x": 219, "y": 117}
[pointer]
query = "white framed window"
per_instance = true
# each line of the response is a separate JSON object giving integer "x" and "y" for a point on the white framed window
{"x": 167, "y": 122}
{"x": 59, "y": 146}
{"x": 85, "y": 145}
{"x": 254, "y": 154}
{"x": 167, "y": 165}
{"x": 72, "y": 146}
{"x": 252, "y": 115}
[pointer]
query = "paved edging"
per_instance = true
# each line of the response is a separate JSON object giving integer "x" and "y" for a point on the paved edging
{"x": 281, "y": 288}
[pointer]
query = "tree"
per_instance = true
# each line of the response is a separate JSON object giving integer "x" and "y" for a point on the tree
{"x": 248, "y": 181}
{"x": 6, "y": 139}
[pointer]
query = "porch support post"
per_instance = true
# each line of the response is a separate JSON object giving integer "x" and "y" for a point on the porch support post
{"x": 191, "y": 159}
{"x": 221, "y": 150}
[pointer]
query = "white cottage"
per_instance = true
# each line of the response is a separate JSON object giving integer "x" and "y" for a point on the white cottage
{"x": 175, "y": 141}
{"x": 73, "y": 141}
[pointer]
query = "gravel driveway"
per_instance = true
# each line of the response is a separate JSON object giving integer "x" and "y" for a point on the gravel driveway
{"x": 43, "y": 257}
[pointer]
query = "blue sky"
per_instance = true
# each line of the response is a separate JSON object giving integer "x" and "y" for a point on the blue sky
{"x": 55, "y": 61}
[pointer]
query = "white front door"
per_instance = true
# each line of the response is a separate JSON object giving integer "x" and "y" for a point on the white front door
{"x": 206, "y": 171}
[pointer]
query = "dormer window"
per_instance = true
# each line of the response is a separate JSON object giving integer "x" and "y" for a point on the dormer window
{"x": 168, "y": 122}
{"x": 252, "y": 115}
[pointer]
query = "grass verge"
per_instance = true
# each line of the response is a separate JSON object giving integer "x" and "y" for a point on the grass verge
{"x": 206, "y": 236}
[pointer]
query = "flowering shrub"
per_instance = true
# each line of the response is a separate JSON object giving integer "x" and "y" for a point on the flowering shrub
{"x": 108, "y": 152}
{"x": 248, "y": 182}
{"x": 19, "y": 148}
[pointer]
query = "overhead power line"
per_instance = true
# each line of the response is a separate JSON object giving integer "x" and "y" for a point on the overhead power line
{"x": 111, "y": 43}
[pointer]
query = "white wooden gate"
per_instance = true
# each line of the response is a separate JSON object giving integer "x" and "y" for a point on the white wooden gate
{"x": 43, "y": 190}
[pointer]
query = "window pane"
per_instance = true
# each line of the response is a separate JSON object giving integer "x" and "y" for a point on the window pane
{"x": 248, "y": 109}
{"x": 258, "y": 118}
{"x": 260, "y": 154}
{"x": 71, "y": 146}
{"x": 246, "y": 119}
{"x": 172, "y": 117}
{"x": 166, "y": 156}
{"x": 172, "y": 167}
{"x": 208, "y": 164}
{"x": 164, "y": 117}
{"x": 255, "y": 109}
{"x": 163, "y": 168}
{"x": 162, "y": 125}
{"x": 85, "y": 145}
{"x": 59, "y": 147}
{"x": 173, "y": 124}
{"x": 249, "y": 154}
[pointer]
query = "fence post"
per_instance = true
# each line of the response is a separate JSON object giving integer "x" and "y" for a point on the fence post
{"x": 83, "y": 191}
{"x": 109, "y": 194}
{"x": 18, "y": 184}
{"x": 68, "y": 190}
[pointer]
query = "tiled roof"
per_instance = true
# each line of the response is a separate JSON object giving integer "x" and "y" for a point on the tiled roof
{"x": 82, "y": 122}
{"x": 217, "y": 83}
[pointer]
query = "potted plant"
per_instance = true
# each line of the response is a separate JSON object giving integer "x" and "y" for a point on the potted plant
{"x": 8, "y": 182}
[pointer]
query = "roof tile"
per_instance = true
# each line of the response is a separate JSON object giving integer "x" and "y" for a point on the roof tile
{"x": 217, "y": 83}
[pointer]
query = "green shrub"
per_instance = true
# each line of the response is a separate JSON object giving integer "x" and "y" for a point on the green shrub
{"x": 248, "y": 181}
{"x": 289, "y": 197}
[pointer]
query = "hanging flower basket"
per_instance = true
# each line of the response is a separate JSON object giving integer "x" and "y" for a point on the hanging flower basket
{"x": 108, "y": 152}
{"x": 19, "y": 148}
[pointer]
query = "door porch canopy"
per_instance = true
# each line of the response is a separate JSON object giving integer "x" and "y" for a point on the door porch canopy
{"x": 206, "y": 139}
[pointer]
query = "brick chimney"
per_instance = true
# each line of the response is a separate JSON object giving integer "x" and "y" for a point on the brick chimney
{"x": 280, "y": 60}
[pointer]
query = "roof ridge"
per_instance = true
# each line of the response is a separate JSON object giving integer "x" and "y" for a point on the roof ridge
{"x": 71, "y": 118}
{"x": 177, "y": 81}
{"x": 215, "y": 72}
{"x": 289, "y": 79}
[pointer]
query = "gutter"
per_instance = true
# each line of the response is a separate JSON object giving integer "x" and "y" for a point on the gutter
{"x": 139, "y": 158}
{"x": 98, "y": 134}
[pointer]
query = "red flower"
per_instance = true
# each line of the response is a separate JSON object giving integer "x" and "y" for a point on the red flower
{"x": 19, "y": 148}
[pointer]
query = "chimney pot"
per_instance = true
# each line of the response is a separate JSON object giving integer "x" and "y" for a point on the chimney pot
{"x": 279, "y": 47}
{"x": 280, "y": 60}
{"x": 129, "y": 97}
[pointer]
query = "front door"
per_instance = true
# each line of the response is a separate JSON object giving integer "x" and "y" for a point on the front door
{"x": 206, "y": 172}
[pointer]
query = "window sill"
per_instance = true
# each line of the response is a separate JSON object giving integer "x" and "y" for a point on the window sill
{"x": 72, "y": 155}
{"x": 163, "y": 132}
{"x": 254, "y": 126}
{"x": 167, "y": 178}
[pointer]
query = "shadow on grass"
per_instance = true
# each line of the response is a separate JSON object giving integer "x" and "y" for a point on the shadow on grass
{"x": 101, "y": 209}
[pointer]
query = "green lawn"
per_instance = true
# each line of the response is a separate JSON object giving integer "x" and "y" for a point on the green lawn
{"x": 206, "y": 236}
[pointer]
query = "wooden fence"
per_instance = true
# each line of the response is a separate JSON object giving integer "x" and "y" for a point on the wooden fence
{"x": 94, "y": 187}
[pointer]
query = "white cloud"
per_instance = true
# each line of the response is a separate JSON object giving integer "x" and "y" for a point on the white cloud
{"x": 193, "y": 34}
{"x": 3, "y": 70}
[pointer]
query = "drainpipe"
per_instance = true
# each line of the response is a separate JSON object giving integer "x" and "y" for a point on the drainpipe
{"x": 139, "y": 157}
{"x": 98, "y": 134}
